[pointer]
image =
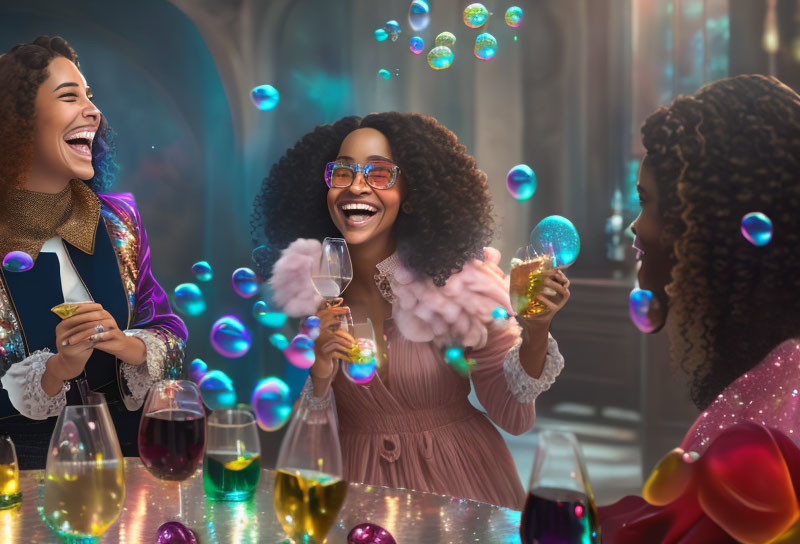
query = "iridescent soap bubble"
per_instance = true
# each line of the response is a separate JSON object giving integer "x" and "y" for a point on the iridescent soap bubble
{"x": 499, "y": 313}
{"x": 217, "y": 391}
{"x": 17, "y": 261}
{"x": 757, "y": 229}
{"x": 369, "y": 533}
{"x": 279, "y": 341}
{"x": 475, "y": 15}
{"x": 645, "y": 310}
{"x": 440, "y": 57}
{"x": 300, "y": 351}
{"x": 259, "y": 254}
{"x": 381, "y": 35}
{"x": 189, "y": 299}
{"x": 265, "y": 97}
{"x": 447, "y": 39}
{"x": 419, "y": 15}
{"x": 485, "y": 46}
{"x": 230, "y": 337}
{"x": 268, "y": 318}
{"x": 244, "y": 282}
{"x": 362, "y": 365}
{"x": 310, "y": 327}
{"x": 416, "y": 45}
{"x": 271, "y": 403}
{"x": 392, "y": 29}
{"x": 521, "y": 182}
{"x": 202, "y": 271}
{"x": 514, "y": 16}
{"x": 197, "y": 370}
{"x": 385, "y": 74}
{"x": 454, "y": 356}
{"x": 558, "y": 237}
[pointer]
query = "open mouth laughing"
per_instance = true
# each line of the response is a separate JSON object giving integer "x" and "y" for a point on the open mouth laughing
{"x": 357, "y": 213}
{"x": 80, "y": 141}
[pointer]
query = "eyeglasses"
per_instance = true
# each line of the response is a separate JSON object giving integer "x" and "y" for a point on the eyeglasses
{"x": 379, "y": 175}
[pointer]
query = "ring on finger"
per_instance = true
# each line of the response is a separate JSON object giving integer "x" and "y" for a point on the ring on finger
{"x": 100, "y": 328}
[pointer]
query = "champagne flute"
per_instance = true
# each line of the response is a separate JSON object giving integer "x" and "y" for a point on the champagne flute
{"x": 172, "y": 432}
{"x": 560, "y": 507}
{"x": 309, "y": 487}
{"x": 362, "y": 364}
{"x": 529, "y": 269}
{"x": 231, "y": 467}
{"x": 84, "y": 487}
{"x": 10, "y": 495}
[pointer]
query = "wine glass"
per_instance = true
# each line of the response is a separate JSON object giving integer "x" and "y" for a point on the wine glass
{"x": 309, "y": 485}
{"x": 332, "y": 273}
{"x": 10, "y": 495}
{"x": 232, "y": 464}
{"x": 84, "y": 486}
{"x": 560, "y": 505}
{"x": 362, "y": 364}
{"x": 529, "y": 269}
{"x": 172, "y": 432}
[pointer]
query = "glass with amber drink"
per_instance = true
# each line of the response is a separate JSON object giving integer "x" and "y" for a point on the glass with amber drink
{"x": 10, "y": 495}
{"x": 529, "y": 270}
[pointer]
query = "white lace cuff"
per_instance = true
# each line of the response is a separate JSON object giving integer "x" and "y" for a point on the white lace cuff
{"x": 316, "y": 403}
{"x": 23, "y": 382}
{"x": 139, "y": 378}
{"x": 525, "y": 388}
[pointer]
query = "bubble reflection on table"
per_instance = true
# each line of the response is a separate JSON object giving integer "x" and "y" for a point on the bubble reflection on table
{"x": 411, "y": 516}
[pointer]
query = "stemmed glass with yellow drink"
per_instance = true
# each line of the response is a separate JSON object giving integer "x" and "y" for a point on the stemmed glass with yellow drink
{"x": 10, "y": 494}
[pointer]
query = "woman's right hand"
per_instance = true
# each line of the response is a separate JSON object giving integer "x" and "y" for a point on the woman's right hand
{"x": 73, "y": 342}
{"x": 332, "y": 344}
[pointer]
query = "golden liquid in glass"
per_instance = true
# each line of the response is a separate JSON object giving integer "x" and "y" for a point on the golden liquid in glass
{"x": 9, "y": 479}
{"x": 527, "y": 282}
{"x": 307, "y": 503}
{"x": 84, "y": 499}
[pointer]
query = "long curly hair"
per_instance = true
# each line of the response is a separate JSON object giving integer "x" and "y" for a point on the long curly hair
{"x": 730, "y": 149}
{"x": 22, "y": 71}
{"x": 452, "y": 217}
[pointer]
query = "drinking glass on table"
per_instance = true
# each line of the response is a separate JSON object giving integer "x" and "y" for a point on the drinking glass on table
{"x": 529, "y": 269}
{"x": 84, "y": 486}
{"x": 560, "y": 507}
{"x": 231, "y": 466}
{"x": 10, "y": 495}
{"x": 309, "y": 488}
{"x": 172, "y": 432}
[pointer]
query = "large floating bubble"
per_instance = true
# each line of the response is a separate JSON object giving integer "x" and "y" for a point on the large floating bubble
{"x": 384, "y": 73}
{"x": 202, "y": 271}
{"x": 267, "y": 317}
{"x": 300, "y": 351}
{"x": 447, "y": 39}
{"x": 17, "y": 261}
{"x": 189, "y": 299}
{"x": 757, "y": 229}
{"x": 392, "y": 29}
{"x": 230, "y": 337}
{"x": 514, "y": 16}
{"x": 485, "y": 46}
{"x": 416, "y": 45}
{"x": 440, "y": 58}
{"x": 419, "y": 15}
{"x": 265, "y": 97}
{"x": 362, "y": 365}
{"x": 271, "y": 403}
{"x": 197, "y": 370}
{"x": 279, "y": 341}
{"x": 245, "y": 283}
{"x": 217, "y": 391}
{"x": 521, "y": 182}
{"x": 558, "y": 237}
{"x": 475, "y": 15}
{"x": 645, "y": 310}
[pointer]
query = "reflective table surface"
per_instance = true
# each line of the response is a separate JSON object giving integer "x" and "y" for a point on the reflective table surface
{"x": 413, "y": 517}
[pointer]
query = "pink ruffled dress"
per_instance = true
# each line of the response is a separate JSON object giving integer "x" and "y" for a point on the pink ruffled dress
{"x": 424, "y": 434}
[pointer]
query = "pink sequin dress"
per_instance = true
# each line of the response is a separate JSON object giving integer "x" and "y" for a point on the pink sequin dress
{"x": 423, "y": 433}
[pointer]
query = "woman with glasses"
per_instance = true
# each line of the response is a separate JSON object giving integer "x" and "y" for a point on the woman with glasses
{"x": 416, "y": 214}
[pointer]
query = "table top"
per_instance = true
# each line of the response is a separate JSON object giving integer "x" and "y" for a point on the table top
{"x": 413, "y": 517}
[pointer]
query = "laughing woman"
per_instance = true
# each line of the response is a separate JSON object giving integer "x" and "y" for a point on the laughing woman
{"x": 85, "y": 247}
{"x": 416, "y": 214}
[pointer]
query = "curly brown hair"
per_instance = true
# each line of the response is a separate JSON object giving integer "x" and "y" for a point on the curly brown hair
{"x": 452, "y": 208}
{"x": 730, "y": 149}
{"x": 22, "y": 71}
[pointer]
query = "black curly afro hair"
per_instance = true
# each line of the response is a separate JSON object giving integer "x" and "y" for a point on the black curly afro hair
{"x": 452, "y": 217}
{"x": 730, "y": 149}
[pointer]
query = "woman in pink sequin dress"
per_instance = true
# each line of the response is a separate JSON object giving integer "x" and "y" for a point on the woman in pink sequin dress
{"x": 416, "y": 214}
{"x": 733, "y": 298}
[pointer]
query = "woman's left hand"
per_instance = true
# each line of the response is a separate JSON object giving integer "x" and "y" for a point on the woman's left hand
{"x": 114, "y": 342}
{"x": 554, "y": 296}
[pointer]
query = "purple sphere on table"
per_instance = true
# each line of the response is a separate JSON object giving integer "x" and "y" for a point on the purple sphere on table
{"x": 369, "y": 533}
{"x": 173, "y": 532}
